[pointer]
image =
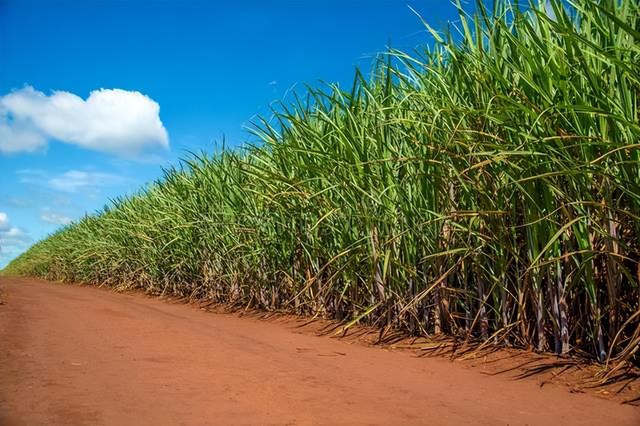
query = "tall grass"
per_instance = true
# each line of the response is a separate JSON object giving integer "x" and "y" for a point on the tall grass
{"x": 486, "y": 187}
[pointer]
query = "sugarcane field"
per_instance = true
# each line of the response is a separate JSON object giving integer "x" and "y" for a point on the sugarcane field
{"x": 351, "y": 212}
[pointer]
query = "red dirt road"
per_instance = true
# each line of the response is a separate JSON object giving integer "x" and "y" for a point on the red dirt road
{"x": 82, "y": 355}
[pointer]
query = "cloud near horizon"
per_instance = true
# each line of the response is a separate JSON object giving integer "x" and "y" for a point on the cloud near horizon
{"x": 72, "y": 181}
{"x": 49, "y": 216}
{"x": 12, "y": 239}
{"x": 113, "y": 121}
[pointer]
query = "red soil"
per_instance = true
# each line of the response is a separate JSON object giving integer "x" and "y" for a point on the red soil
{"x": 82, "y": 355}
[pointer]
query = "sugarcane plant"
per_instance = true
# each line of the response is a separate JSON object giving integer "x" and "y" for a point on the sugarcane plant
{"x": 486, "y": 186}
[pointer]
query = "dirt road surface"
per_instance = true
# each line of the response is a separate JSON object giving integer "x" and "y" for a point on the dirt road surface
{"x": 87, "y": 356}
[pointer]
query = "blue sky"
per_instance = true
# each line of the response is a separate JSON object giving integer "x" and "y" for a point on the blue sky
{"x": 201, "y": 70}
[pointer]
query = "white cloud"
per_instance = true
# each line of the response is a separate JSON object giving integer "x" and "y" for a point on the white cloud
{"x": 4, "y": 221}
{"x": 19, "y": 137}
{"x": 12, "y": 239}
{"x": 72, "y": 180}
{"x": 13, "y": 232}
{"x": 110, "y": 120}
{"x": 51, "y": 217}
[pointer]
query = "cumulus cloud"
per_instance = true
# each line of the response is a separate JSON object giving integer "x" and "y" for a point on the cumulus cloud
{"x": 110, "y": 120}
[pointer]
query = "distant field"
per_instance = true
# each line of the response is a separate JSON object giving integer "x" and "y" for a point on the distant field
{"x": 487, "y": 188}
